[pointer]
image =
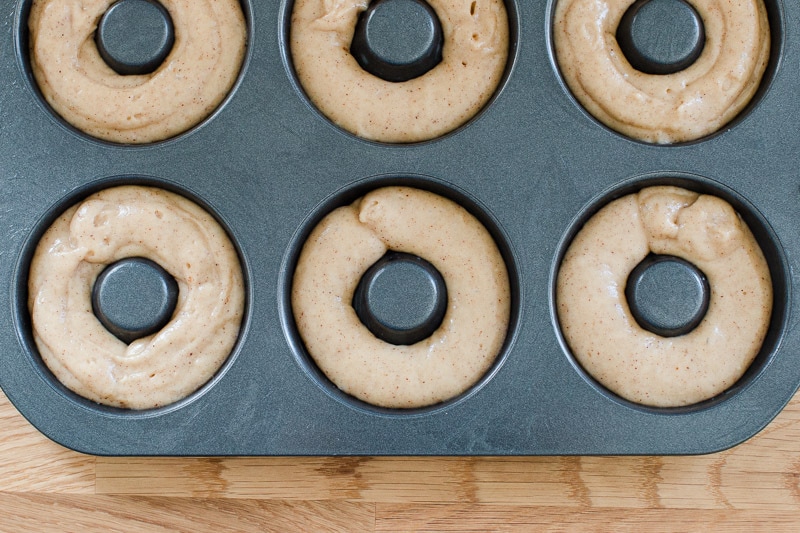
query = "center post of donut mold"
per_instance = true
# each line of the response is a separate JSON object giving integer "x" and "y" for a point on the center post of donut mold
{"x": 135, "y": 36}
{"x": 398, "y": 40}
{"x": 401, "y": 299}
{"x": 134, "y": 298}
{"x": 667, "y": 295}
{"x": 661, "y": 36}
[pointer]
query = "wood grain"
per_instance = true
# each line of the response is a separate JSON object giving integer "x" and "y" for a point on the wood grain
{"x": 48, "y": 512}
{"x": 755, "y": 486}
{"x": 460, "y": 518}
{"x": 31, "y": 462}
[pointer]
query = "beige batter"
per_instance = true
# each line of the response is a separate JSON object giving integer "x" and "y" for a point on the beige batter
{"x": 346, "y": 243}
{"x": 473, "y": 60}
{"x": 132, "y": 221}
{"x": 596, "y": 320}
{"x": 683, "y": 106}
{"x": 210, "y": 39}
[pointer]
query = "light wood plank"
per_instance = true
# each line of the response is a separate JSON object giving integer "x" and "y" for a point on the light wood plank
{"x": 31, "y": 462}
{"x": 493, "y": 518}
{"x": 103, "y": 514}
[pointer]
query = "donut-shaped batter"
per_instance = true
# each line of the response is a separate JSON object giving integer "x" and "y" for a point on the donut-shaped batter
{"x": 197, "y": 74}
{"x": 669, "y": 108}
{"x": 597, "y": 323}
{"x": 473, "y": 60}
{"x": 346, "y": 243}
{"x": 134, "y": 221}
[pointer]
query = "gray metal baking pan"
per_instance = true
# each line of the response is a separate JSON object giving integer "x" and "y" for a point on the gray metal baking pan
{"x": 533, "y": 165}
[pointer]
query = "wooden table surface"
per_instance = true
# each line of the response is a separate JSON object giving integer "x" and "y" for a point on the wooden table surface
{"x": 753, "y": 487}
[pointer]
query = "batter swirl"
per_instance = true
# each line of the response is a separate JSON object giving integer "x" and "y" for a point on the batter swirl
{"x": 605, "y": 338}
{"x": 114, "y": 224}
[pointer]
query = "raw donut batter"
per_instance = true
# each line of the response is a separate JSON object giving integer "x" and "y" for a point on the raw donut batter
{"x": 346, "y": 243}
{"x": 133, "y": 221}
{"x": 473, "y": 60}
{"x": 597, "y": 323}
{"x": 670, "y": 108}
{"x": 191, "y": 82}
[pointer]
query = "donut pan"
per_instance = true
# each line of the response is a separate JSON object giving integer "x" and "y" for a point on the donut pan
{"x": 532, "y": 166}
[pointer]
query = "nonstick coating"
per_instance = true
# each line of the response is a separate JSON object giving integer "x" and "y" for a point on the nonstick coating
{"x": 533, "y": 166}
